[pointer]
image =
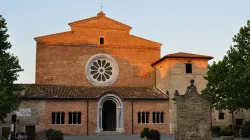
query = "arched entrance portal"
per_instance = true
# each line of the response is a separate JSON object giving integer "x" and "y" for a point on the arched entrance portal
{"x": 110, "y": 114}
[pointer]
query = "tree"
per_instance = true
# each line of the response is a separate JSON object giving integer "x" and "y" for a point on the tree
{"x": 9, "y": 68}
{"x": 228, "y": 81}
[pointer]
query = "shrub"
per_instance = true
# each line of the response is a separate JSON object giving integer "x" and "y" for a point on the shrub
{"x": 144, "y": 133}
{"x": 154, "y": 135}
{"x": 215, "y": 131}
{"x": 245, "y": 130}
{"x": 52, "y": 134}
{"x": 56, "y": 135}
{"x": 225, "y": 131}
{"x": 48, "y": 133}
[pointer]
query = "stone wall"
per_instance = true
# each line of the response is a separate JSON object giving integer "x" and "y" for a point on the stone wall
{"x": 171, "y": 75}
{"x": 36, "y": 119}
{"x": 193, "y": 121}
{"x": 240, "y": 114}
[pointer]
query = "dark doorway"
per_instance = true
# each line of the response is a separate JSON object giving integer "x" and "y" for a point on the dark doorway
{"x": 239, "y": 122}
{"x": 109, "y": 116}
{"x": 5, "y": 132}
{"x": 30, "y": 131}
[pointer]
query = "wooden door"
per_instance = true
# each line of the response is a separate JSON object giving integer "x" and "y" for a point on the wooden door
{"x": 31, "y": 133}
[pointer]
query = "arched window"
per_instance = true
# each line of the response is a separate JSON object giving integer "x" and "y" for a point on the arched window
{"x": 57, "y": 117}
{"x": 75, "y": 117}
{"x": 70, "y": 118}
{"x": 154, "y": 118}
{"x": 158, "y": 117}
{"x": 147, "y": 117}
{"x": 143, "y": 117}
{"x": 53, "y": 117}
{"x": 62, "y": 117}
{"x": 139, "y": 117}
{"x": 79, "y": 117}
{"x": 162, "y": 117}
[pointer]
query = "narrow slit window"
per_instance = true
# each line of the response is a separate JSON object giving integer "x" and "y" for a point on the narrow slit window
{"x": 70, "y": 117}
{"x": 101, "y": 40}
{"x": 153, "y": 117}
{"x": 188, "y": 68}
{"x": 79, "y": 117}
{"x": 53, "y": 118}
{"x": 58, "y": 118}
{"x": 143, "y": 117}
{"x": 162, "y": 117}
{"x": 147, "y": 115}
{"x": 139, "y": 117}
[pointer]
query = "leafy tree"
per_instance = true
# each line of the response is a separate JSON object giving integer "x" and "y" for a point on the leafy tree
{"x": 9, "y": 68}
{"x": 228, "y": 80}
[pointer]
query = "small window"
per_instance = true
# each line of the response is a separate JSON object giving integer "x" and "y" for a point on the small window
{"x": 162, "y": 117}
{"x": 158, "y": 117}
{"x": 188, "y": 68}
{"x": 101, "y": 40}
{"x": 143, "y": 117}
{"x": 58, "y": 117}
{"x": 147, "y": 115}
{"x": 139, "y": 117}
{"x": 239, "y": 122}
{"x": 221, "y": 116}
{"x": 75, "y": 117}
{"x": 154, "y": 118}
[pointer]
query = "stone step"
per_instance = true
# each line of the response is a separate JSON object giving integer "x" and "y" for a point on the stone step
{"x": 111, "y": 133}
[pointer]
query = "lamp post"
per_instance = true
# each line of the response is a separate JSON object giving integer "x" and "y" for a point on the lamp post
{"x": 13, "y": 126}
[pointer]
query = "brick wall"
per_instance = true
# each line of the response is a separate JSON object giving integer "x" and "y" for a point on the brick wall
{"x": 63, "y": 65}
{"x": 61, "y": 57}
{"x": 66, "y": 106}
{"x": 148, "y": 106}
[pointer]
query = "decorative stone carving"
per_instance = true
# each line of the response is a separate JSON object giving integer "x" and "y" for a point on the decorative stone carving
{"x": 101, "y": 70}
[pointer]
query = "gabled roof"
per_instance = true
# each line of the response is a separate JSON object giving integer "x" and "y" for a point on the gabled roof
{"x": 183, "y": 55}
{"x": 101, "y": 21}
{"x": 81, "y": 34}
{"x": 44, "y": 92}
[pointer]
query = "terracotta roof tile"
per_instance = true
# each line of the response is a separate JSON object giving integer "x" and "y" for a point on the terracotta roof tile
{"x": 35, "y": 91}
{"x": 183, "y": 55}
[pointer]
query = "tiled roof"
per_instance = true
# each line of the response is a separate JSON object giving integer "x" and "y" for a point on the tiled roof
{"x": 35, "y": 91}
{"x": 183, "y": 55}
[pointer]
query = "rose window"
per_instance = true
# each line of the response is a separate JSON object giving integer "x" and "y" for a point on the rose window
{"x": 101, "y": 70}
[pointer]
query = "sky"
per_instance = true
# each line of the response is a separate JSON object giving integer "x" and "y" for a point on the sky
{"x": 194, "y": 26}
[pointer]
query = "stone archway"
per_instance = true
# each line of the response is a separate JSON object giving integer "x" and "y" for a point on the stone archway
{"x": 119, "y": 117}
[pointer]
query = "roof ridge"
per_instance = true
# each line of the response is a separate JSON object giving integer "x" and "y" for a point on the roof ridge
{"x": 183, "y": 55}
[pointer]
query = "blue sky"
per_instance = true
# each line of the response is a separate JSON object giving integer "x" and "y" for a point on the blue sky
{"x": 195, "y": 26}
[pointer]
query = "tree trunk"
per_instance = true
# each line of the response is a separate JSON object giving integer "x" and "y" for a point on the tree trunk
{"x": 232, "y": 122}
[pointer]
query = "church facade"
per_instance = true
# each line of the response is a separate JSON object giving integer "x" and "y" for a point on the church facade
{"x": 98, "y": 78}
